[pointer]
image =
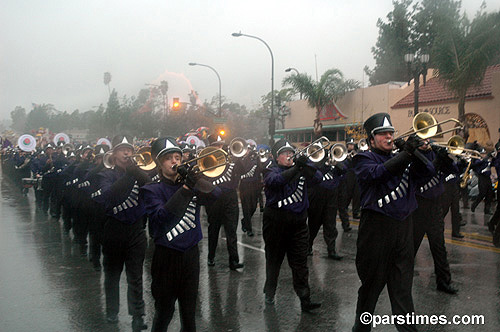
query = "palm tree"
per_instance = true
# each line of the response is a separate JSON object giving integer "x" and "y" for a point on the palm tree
{"x": 461, "y": 53}
{"x": 330, "y": 87}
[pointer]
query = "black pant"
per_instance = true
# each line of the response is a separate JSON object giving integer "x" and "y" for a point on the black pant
{"x": 175, "y": 276}
{"x": 323, "y": 211}
{"x": 350, "y": 191}
{"x": 384, "y": 257}
{"x": 96, "y": 232}
{"x": 427, "y": 219}
{"x": 124, "y": 244}
{"x": 485, "y": 192}
{"x": 48, "y": 186}
{"x": 225, "y": 212}
{"x": 249, "y": 195}
{"x": 343, "y": 203}
{"x": 286, "y": 233}
{"x": 450, "y": 199}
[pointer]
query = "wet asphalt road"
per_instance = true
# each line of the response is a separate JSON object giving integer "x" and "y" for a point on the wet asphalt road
{"x": 45, "y": 285}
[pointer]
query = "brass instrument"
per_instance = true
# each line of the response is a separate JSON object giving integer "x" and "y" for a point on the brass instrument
{"x": 238, "y": 147}
{"x": 314, "y": 151}
{"x": 143, "y": 158}
{"x": 67, "y": 148}
{"x": 456, "y": 146}
{"x": 211, "y": 162}
{"x": 338, "y": 153}
{"x": 107, "y": 160}
{"x": 263, "y": 155}
{"x": 363, "y": 145}
{"x": 425, "y": 126}
{"x": 466, "y": 177}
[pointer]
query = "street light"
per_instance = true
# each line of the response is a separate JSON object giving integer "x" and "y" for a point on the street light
{"x": 296, "y": 71}
{"x": 216, "y": 73}
{"x": 417, "y": 65}
{"x": 271, "y": 119}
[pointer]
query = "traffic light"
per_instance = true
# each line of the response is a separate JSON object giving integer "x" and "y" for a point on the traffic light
{"x": 176, "y": 105}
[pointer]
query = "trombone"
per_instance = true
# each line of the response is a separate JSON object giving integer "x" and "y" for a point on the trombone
{"x": 314, "y": 151}
{"x": 143, "y": 158}
{"x": 456, "y": 146}
{"x": 211, "y": 161}
{"x": 425, "y": 126}
{"x": 238, "y": 147}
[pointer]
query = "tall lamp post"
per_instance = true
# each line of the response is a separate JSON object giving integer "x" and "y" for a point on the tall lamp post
{"x": 297, "y": 72}
{"x": 417, "y": 65}
{"x": 272, "y": 124}
{"x": 219, "y": 113}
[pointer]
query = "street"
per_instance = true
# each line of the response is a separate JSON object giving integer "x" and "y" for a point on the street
{"x": 45, "y": 285}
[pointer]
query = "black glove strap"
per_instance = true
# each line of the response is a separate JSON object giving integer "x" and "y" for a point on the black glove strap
{"x": 397, "y": 164}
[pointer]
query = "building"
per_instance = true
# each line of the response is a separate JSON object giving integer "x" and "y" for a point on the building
{"x": 482, "y": 109}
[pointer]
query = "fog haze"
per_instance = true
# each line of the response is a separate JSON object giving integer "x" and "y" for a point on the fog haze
{"x": 57, "y": 51}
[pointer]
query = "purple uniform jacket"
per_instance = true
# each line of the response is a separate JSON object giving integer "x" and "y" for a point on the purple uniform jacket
{"x": 290, "y": 196}
{"x": 330, "y": 179}
{"x": 181, "y": 229}
{"x": 118, "y": 193}
{"x": 383, "y": 192}
{"x": 433, "y": 186}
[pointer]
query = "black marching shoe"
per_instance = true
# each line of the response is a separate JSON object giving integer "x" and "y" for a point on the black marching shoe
{"x": 235, "y": 265}
{"x": 250, "y": 233}
{"x": 334, "y": 256}
{"x": 457, "y": 235}
{"x": 138, "y": 324}
{"x": 307, "y": 306}
{"x": 210, "y": 262}
{"x": 356, "y": 215}
{"x": 491, "y": 227}
{"x": 446, "y": 288}
{"x": 112, "y": 319}
{"x": 347, "y": 229}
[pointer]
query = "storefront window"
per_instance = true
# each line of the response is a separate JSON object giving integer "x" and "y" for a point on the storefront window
{"x": 307, "y": 137}
{"x": 331, "y": 135}
{"x": 341, "y": 135}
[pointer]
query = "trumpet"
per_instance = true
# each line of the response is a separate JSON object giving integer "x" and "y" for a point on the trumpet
{"x": 238, "y": 147}
{"x": 67, "y": 148}
{"x": 211, "y": 162}
{"x": 425, "y": 126}
{"x": 338, "y": 153}
{"x": 143, "y": 158}
{"x": 314, "y": 151}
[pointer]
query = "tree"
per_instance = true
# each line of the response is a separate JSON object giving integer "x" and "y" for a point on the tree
{"x": 39, "y": 116}
{"x": 392, "y": 44}
{"x": 112, "y": 115}
{"x": 330, "y": 87}
{"x": 18, "y": 116}
{"x": 462, "y": 52}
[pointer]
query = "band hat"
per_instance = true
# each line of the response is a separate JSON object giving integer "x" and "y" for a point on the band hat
{"x": 101, "y": 149}
{"x": 121, "y": 141}
{"x": 215, "y": 139}
{"x": 497, "y": 146}
{"x": 281, "y": 146}
{"x": 349, "y": 141}
{"x": 164, "y": 145}
{"x": 378, "y": 123}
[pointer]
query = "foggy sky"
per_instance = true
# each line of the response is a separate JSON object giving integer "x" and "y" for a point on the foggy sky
{"x": 57, "y": 51}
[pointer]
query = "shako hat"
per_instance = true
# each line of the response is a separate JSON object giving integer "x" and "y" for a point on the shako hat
{"x": 164, "y": 145}
{"x": 215, "y": 139}
{"x": 281, "y": 146}
{"x": 122, "y": 140}
{"x": 378, "y": 123}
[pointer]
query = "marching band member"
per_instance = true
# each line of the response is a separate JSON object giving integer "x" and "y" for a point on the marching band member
{"x": 48, "y": 178}
{"x": 284, "y": 226}
{"x": 173, "y": 207}
{"x": 428, "y": 218}
{"x": 481, "y": 168}
{"x": 385, "y": 237}
{"x": 124, "y": 239}
{"x": 250, "y": 187}
{"x": 323, "y": 205}
{"x": 225, "y": 210}
{"x": 494, "y": 221}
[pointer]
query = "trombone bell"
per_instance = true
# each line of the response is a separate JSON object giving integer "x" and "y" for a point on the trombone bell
{"x": 315, "y": 152}
{"x": 338, "y": 152}
{"x": 212, "y": 162}
{"x": 424, "y": 120}
{"x": 143, "y": 159}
